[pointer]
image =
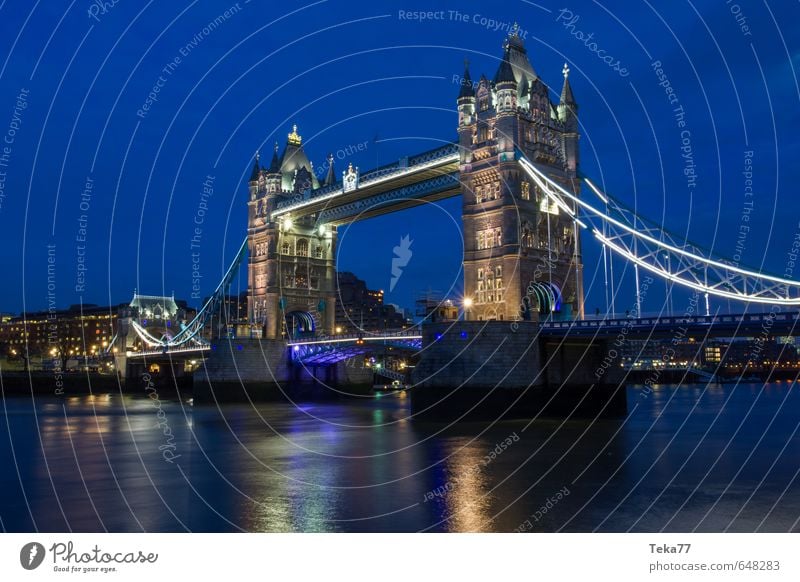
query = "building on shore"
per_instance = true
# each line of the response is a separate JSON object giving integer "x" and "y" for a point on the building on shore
{"x": 360, "y": 308}
{"x": 81, "y": 334}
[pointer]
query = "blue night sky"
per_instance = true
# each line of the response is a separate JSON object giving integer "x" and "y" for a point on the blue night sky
{"x": 348, "y": 73}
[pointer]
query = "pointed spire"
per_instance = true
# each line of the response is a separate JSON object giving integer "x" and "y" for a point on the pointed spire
{"x": 256, "y": 170}
{"x": 330, "y": 177}
{"x": 505, "y": 73}
{"x": 466, "y": 83}
{"x": 275, "y": 165}
{"x": 566, "y": 93}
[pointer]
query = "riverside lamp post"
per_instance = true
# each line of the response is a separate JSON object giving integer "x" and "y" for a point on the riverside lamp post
{"x": 467, "y": 305}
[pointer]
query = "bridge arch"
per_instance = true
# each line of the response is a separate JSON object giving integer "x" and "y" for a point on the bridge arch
{"x": 300, "y": 324}
{"x": 547, "y": 295}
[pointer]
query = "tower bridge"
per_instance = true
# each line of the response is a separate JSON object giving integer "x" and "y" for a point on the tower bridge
{"x": 526, "y": 209}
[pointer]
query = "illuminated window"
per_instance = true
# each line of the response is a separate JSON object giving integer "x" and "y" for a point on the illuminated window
{"x": 302, "y": 248}
{"x": 285, "y": 248}
{"x": 526, "y": 191}
{"x": 489, "y": 238}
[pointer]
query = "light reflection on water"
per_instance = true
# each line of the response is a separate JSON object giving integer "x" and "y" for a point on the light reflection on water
{"x": 91, "y": 463}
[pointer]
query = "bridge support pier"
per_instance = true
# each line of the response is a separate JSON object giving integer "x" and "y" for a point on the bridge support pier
{"x": 489, "y": 370}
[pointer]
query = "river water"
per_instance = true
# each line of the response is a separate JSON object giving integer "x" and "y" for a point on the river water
{"x": 688, "y": 458}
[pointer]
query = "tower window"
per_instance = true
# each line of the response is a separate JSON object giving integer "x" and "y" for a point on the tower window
{"x": 525, "y": 191}
{"x": 285, "y": 248}
{"x": 489, "y": 238}
{"x": 302, "y": 248}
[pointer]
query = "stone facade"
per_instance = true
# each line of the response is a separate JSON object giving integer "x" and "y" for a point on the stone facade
{"x": 291, "y": 269}
{"x": 521, "y": 251}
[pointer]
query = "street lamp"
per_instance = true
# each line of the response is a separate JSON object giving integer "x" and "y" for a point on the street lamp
{"x": 467, "y": 305}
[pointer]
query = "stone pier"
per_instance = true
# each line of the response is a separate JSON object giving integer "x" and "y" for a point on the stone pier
{"x": 488, "y": 370}
{"x": 262, "y": 369}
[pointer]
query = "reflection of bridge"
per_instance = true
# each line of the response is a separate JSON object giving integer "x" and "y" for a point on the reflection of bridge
{"x": 516, "y": 166}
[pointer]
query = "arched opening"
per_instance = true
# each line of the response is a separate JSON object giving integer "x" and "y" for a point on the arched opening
{"x": 548, "y": 297}
{"x": 299, "y": 324}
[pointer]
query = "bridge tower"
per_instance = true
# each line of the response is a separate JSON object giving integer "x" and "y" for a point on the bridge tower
{"x": 521, "y": 251}
{"x": 291, "y": 268}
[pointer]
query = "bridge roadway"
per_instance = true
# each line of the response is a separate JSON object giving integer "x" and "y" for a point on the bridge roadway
{"x": 169, "y": 351}
{"x": 741, "y": 325}
{"x": 410, "y": 181}
{"x": 327, "y": 350}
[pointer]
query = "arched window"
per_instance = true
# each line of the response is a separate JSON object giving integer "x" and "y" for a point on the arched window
{"x": 319, "y": 252}
{"x": 301, "y": 277}
{"x": 302, "y": 248}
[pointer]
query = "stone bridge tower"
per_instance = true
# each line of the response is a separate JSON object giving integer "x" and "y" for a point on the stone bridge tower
{"x": 291, "y": 265}
{"x": 521, "y": 251}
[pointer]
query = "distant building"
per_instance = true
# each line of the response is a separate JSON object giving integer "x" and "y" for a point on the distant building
{"x": 732, "y": 354}
{"x": 434, "y": 309}
{"x": 87, "y": 331}
{"x": 76, "y": 332}
{"x": 358, "y": 307}
{"x": 229, "y": 316}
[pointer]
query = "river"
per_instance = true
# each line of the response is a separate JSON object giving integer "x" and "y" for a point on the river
{"x": 688, "y": 458}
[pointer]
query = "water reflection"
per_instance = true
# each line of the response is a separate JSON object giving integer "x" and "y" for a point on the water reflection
{"x": 684, "y": 458}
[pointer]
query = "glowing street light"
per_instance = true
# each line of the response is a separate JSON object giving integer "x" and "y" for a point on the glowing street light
{"x": 467, "y": 305}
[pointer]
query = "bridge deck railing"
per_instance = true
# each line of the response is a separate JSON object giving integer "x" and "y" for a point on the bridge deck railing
{"x": 671, "y": 320}
{"x": 387, "y": 335}
{"x": 398, "y": 168}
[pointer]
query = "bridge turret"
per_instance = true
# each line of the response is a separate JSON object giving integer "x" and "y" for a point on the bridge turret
{"x": 506, "y": 105}
{"x": 253, "y": 182}
{"x": 568, "y": 115}
{"x": 466, "y": 115}
{"x": 272, "y": 175}
{"x": 330, "y": 176}
{"x": 521, "y": 257}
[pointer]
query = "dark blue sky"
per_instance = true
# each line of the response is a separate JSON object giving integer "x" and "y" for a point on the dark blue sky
{"x": 347, "y": 72}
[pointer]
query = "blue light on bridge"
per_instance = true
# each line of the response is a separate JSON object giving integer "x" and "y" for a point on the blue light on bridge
{"x": 438, "y": 337}
{"x": 239, "y": 347}
{"x": 463, "y": 335}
